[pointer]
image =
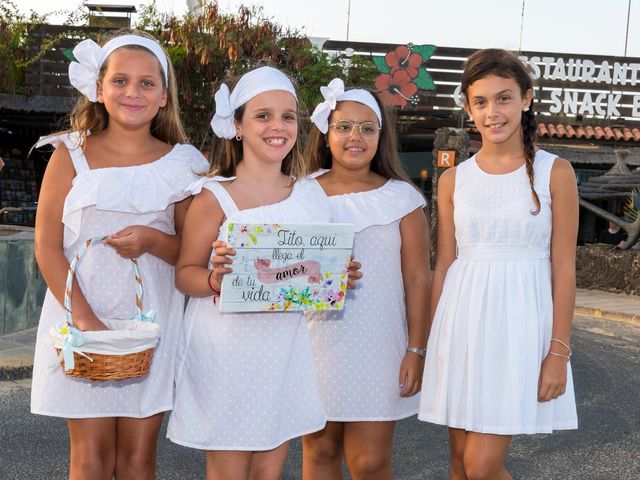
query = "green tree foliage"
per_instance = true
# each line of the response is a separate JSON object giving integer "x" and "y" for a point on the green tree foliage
{"x": 204, "y": 49}
{"x": 207, "y": 48}
{"x": 14, "y": 45}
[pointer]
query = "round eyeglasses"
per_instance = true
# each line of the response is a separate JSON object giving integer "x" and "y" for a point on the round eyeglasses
{"x": 344, "y": 128}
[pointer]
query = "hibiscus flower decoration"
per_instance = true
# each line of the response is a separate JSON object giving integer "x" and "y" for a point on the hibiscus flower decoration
{"x": 396, "y": 88}
{"x": 402, "y": 73}
{"x": 402, "y": 58}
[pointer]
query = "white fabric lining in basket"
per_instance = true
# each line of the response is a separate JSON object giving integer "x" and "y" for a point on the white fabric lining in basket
{"x": 122, "y": 338}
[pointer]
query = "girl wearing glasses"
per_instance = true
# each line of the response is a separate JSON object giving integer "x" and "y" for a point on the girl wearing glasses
{"x": 369, "y": 357}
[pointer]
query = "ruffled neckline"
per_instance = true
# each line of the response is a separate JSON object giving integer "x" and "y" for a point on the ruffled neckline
{"x": 379, "y": 206}
{"x": 138, "y": 189}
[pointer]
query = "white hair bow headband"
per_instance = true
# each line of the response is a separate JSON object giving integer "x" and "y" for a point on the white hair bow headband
{"x": 334, "y": 93}
{"x": 90, "y": 57}
{"x": 255, "y": 82}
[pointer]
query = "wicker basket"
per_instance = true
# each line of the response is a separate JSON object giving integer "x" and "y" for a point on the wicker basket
{"x": 124, "y": 351}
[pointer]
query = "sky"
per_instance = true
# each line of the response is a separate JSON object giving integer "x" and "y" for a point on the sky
{"x": 561, "y": 26}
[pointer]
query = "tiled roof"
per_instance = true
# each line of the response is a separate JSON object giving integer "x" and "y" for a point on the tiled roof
{"x": 588, "y": 132}
{"x": 21, "y": 103}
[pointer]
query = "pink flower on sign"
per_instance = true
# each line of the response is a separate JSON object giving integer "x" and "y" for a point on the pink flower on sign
{"x": 403, "y": 59}
{"x": 396, "y": 89}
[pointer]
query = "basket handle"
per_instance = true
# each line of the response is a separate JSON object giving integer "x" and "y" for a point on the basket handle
{"x": 140, "y": 315}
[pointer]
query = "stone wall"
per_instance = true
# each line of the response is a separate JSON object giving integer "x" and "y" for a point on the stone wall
{"x": 22, "y": 287}
{"x": 608, "y": 269}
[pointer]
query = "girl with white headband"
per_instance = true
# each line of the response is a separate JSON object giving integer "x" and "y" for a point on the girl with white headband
{"x": 121, "y": 171}
{"x": 245, "y": 384}
{"x": 369, "y": 357}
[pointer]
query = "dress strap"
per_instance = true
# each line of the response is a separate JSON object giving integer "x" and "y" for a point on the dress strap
{"x": 73, "y": 141}
{"x": 542, "y": 165}
{"x": 229, "y": 207}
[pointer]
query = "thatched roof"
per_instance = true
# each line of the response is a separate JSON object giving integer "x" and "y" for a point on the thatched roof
{"x": 618, "y": 182}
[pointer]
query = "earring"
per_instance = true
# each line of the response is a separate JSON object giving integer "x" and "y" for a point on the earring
{"x": 239, "y": 138}
{"x": 525, "y": 109}
{"x": 470, "y": 118}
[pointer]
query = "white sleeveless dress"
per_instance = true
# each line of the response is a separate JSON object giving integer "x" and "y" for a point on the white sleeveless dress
{"x": 492, "y": 326}
{"x": 100, "y": 202}
{"x": 358, "y": 351}
{"x": 245, "y": 381}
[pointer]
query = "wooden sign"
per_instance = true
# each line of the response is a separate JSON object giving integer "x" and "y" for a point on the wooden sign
{"x": 287, "y": 267}
{"x": 446, "y": 158}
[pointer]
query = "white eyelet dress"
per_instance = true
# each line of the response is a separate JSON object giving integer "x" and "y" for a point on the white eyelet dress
{"x": 358, "y": 351}
{"x": 492, "y": 326}
{"x": 101, "y": 202}
{"x": 245, "y": 381}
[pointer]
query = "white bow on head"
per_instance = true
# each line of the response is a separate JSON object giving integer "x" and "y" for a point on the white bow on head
{"x": 255, "y": 82}
{"x": 334, "y": 93}
{"x": 84, "y": 73}
{"x": 331, "y": 92}
{"x": 222, "y": 122}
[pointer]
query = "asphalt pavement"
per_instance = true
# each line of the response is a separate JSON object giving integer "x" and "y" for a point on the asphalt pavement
{"x": 606, "y": 366}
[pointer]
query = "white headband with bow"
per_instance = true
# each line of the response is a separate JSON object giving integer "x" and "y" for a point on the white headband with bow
{"x": 334, "y": 93}
{"x": 90, "y": 57}
{"x": 255, "y": 82}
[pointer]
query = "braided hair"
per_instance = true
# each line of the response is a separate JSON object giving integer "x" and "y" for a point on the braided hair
{"x": 493, "y": 61}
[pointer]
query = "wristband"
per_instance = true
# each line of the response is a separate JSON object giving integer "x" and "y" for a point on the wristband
{"x": 422, "y": 352}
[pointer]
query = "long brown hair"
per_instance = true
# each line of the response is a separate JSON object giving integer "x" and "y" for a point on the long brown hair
{"x": 226, "y": 154}
{"x": 93, "y": 117}
{"x": 493, "y": 61}
{"x": 385, "y": 162}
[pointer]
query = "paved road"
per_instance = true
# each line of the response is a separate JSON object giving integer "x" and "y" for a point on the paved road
{"x": 606, "y": 366}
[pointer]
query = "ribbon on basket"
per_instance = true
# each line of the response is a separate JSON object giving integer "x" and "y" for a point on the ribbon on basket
{"x": 73, "y": 339}
{"x": 150, "y": 315}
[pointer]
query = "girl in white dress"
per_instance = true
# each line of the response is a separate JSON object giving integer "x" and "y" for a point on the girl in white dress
{"x": 368, "y": 357}
{"x": 504, "y": 280}
{"x": 122, "y": 171}
{"x": 245, "y": 383}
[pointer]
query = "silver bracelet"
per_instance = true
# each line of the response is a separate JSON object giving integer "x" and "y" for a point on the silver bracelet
{"x": 422, "y": 352}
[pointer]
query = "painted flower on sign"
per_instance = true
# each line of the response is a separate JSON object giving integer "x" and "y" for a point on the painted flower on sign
{"x": 396, "y": 89}
{"x": 404, "y": 59}
{"x": 403, "y": 73}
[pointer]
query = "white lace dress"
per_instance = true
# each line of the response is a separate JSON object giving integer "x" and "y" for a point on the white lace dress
{"x": 358, "y": 351}
{"x": 100, "y": 202}
{"x": 245, "y": 381}
{"x": 492, "y": 326}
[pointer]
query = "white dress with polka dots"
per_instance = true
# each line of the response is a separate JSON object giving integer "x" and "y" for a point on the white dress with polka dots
{"x": 358, "y": 351}
{"x": 101, "y": 202}
{"x": 245, "y": 381}
{"x": 492, "y": 326}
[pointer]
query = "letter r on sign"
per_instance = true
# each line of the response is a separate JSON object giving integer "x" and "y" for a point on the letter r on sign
{"x": 446, "y": 158}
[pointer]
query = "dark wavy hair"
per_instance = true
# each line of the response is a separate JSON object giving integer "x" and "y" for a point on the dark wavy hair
{"x": 493, "y": 61}
{"x": 385, "y": 162}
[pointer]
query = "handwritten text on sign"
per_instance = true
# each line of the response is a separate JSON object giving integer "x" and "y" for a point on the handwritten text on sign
{"x": 287, "y": 267}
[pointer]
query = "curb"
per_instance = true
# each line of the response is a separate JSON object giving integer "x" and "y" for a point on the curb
{"x": 15, "y": 373}
{"x": 607, "y": 315}
{"x": 17, "y": 367}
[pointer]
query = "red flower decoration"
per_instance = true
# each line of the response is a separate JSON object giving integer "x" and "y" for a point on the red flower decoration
{"x": 402, "y": 59}
{"x": 396, "y": 88}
